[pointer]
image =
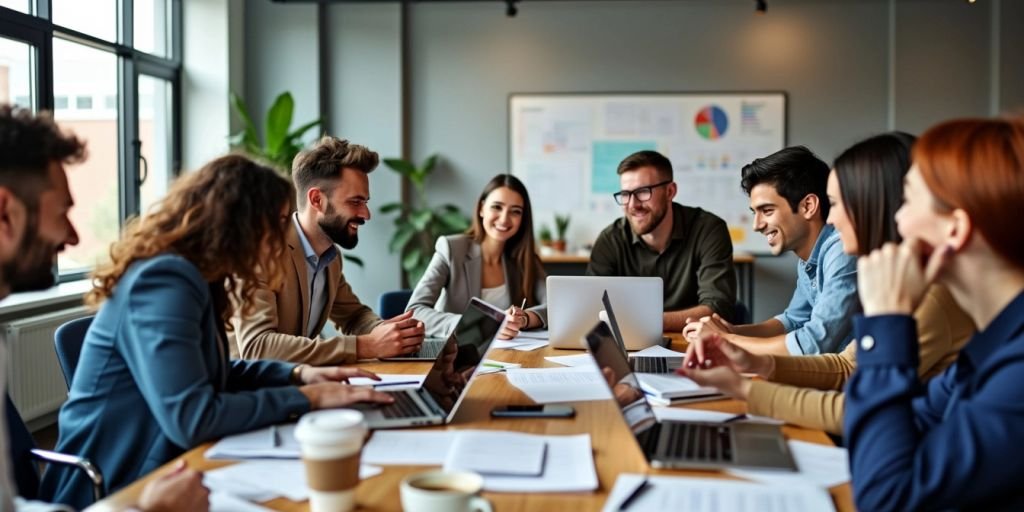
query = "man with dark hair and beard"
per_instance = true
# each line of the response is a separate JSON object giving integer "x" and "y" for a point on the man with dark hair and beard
{"x": 688, "y": 248}
{"x": 332, "y": 184}
{"x": 34, "y": 227}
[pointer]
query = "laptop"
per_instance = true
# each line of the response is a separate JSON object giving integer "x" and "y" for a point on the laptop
{"x": 436, "y": 401}
{"x": 428, "y": 351}
{"x": 641, "y": 364}
{"x": 684, "y": 444}
{"x": 574, "y": 303}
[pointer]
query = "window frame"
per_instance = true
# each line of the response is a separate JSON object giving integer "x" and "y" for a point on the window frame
{"x": 38, "y": 31}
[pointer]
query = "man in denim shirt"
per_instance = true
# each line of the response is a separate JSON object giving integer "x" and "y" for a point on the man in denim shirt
{"x": 787, "y": 196}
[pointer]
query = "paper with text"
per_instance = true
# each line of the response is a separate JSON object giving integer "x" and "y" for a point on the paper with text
{"x": 550, "y": 385}
{"x": 715, "y": 495}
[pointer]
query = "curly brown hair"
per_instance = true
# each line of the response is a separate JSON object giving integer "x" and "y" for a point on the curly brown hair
{"x": 225, "y": 218}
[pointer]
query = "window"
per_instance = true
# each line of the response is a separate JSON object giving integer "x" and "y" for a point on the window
{"x": 110, "y": 72}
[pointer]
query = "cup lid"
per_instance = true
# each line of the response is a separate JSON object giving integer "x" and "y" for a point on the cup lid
{"x": 327, "y": 426}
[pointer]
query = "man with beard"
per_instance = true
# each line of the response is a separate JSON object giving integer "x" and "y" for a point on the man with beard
{"x": 34, "y": 227}
{"x": 688, "y": 248}
{"x": 332, "y": 184}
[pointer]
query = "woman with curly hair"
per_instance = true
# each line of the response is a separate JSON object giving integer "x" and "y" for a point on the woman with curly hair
{"x": 154, "y": 378}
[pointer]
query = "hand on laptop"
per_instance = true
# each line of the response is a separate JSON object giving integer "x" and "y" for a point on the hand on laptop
{"x": 312, "y": 374}
{"x": 327, "y": 395}
{"x": 724, "y": 378}
{"x": 397, "y": 336}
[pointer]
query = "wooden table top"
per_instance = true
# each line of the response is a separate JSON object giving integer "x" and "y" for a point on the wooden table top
{"x": 615, "y": 448}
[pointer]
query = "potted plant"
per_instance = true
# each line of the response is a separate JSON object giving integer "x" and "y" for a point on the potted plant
{"x": 545, "y": 235}
{"x": 418, "y": 225}
{"x": 561, "y": 225}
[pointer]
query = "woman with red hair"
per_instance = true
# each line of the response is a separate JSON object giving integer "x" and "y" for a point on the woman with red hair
{"x": 954, "y": 443}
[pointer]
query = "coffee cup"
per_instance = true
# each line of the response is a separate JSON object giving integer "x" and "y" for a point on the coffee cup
{"x": 443, "y": 491}
{"x": 331, "y": 442}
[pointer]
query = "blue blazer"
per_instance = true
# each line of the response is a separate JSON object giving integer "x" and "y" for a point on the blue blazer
{"x": 154, "y": 381}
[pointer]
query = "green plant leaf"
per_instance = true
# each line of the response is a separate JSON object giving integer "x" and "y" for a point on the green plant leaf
{"x": 429, "y": 164}
{"x": 400, "y": 166}
{"x": 248, "y": 134}
{"x": 421, "y": 219}
{"x": 390, "y": 207}
{"x": 297, "y": 133}
{"x": 402, "y": 236}
{"x": 411, "y": 260}
{"x": 279, "y": 118}
{"x": 454, "y": 221}
{"x": 355, "y": 260}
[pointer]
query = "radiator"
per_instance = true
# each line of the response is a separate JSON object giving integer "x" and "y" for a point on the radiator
{"x": 34, "y": 379}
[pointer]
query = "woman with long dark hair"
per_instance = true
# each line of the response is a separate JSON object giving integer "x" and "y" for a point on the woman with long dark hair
{"x": 494, "y": 260}
{"x": 865, "y": 189}
{"x": 154, "y": 379}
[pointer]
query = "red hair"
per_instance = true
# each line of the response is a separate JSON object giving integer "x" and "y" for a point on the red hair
{"x": 977, "y": 165}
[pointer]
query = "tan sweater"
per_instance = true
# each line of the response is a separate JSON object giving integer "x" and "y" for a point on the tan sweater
{"x": 805, "y": 389}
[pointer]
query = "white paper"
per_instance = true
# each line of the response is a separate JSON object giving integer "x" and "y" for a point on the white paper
{"x": 714, "y": 495}
{"x": 657, "y": 351}
{"x": 522, "y": 346}
{"x": 267, "y": 479}
{"x": 495, "y": 452}
{"x": 671, "y": 385}
{"x": 495, "y": 366}
{"x": 687, "y": 414}
{"x": 408, "y": 447}
{"x": 532, "y": 336}
{"x": 569, "y": 467}
{"x": 817, "y": 464}
{"x": 550, "y": 385}
{"x": 226, "y": 502}
{"x": 573, "y": 361}
{"x": 257, "y": 444}
{"x": 415, "y": 380}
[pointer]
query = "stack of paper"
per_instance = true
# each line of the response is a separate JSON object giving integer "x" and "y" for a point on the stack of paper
{"x": 270, "y": 442}
{"x": 573, "y": 361}
{"x": 525, "y": 342}
{"x": 497, "y": 453}
{"x": 817, "y": 464}
{"x": 267, "y": 479}
{"x": 686, "y": 414}
{"x": 671, "y": 386}
{"x": 551, "y": 385}
{"x": 568, "y": 462}
{"x": 713, "y": 495}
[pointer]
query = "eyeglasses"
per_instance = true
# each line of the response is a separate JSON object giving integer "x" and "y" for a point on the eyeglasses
{"x": 640, "y": 194}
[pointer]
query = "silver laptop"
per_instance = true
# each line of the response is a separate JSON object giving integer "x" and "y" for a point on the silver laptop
{"x": 643, "y": 364}
{"x": 428, "y": 351}
{"x": 438, "y": 399}
{"x": 684, "y": 444}
{"x": 574, "y": 303}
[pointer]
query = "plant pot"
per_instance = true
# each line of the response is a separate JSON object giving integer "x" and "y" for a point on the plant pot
{"x": 545, "y": 243}
{"x": 558, "y": 245}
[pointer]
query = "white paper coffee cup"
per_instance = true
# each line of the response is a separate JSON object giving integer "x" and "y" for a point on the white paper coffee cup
{"x": 331, "y": 442}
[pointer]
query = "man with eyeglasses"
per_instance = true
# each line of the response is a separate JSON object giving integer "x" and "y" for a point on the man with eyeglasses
{"x": 332, "y": 181}
{"x": 687, "y": 247}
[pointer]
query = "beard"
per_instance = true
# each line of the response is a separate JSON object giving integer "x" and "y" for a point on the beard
{"x": 335, "y": 226}
{"x": 32, "y": 270}
{"x": 653, "y": 221}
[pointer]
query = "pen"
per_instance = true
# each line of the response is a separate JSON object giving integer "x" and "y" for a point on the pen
{"x": 633, "y": 496}
{"x": 735, "y": 418}
{"x": 493, "y": 365}
{"x": 274, "y": 440}
{"x": 397, "y": 383}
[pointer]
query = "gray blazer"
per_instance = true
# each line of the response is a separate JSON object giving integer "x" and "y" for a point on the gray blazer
{"x": 453, "y": 277}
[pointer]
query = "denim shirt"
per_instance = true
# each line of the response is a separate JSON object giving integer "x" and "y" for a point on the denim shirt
{"x": 819, "y": 317}
{"x": 956, "y": 442}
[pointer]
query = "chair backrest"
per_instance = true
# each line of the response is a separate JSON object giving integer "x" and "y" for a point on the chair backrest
{"x": 393, "y": 303}
{"x": 26, "y": 473}
{"x": 741, "y": 314}
{"x": 67, "y": 340}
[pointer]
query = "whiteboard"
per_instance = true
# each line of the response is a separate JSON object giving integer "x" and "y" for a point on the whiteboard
{"x": 566, "y": 148}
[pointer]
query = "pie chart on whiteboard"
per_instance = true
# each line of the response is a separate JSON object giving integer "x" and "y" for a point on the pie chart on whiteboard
{"x": 711, "y": 122}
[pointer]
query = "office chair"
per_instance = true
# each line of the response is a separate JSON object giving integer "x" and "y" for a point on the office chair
{"x": 23, "y": 455}
{"x": 67, "y": 340}
{"x": 393, "y": 303}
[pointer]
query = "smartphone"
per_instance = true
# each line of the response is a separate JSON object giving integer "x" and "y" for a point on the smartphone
{"x": 533, "y": 411}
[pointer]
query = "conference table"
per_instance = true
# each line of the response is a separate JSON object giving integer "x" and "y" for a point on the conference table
{"x": 614, "y": 446}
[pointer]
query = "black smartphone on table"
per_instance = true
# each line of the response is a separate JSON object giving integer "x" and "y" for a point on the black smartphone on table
{"x": 533, "y": 411}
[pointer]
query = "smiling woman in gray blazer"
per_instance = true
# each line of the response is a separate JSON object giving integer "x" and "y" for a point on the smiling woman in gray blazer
{"x": 494, "y": 260}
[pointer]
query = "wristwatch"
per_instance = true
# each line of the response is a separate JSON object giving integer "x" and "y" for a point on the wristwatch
{"x": 296, "y": 376}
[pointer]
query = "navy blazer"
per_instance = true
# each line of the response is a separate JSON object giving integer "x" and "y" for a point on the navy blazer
{"x": 154, "y": 381}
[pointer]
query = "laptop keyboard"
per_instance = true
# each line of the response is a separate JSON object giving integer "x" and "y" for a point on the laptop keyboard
{"x": 699, "y": 442}
{"x": 404, "y": 407}
{"x": 431, "y": 348}
{"x": 649, "y": 364}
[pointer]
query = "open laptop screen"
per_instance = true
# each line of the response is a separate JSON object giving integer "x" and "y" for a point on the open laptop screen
{"x": 623, "y": 382}
{"x": 447, "y": 379}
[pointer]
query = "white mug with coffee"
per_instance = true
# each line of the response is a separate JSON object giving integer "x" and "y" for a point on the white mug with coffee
{"x": 443, "y": 491}
{"x": 331, "y": 442}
